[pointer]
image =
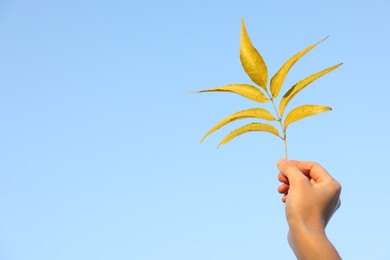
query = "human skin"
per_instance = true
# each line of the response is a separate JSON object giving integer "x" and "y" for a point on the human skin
{"x": 311, "y": 197}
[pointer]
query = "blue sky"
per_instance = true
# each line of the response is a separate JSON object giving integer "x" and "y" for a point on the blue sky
{"x": 99, "y": 138}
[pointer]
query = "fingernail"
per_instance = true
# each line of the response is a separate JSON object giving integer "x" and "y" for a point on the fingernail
{"x": 281, "y": 161}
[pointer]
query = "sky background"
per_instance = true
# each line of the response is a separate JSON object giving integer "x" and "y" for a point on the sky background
{"x": 99, "y": 139}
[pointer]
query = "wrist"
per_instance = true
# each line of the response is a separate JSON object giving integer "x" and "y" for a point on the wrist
{"x": 301, "y": 233}
{"x": 311, "y": 242}
{"x": 304, "y": 224}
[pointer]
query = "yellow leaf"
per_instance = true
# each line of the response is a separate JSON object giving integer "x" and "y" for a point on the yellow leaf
{"x": 249, "y": 113}
{"x": 252, "y": 61}
{"x": 249, "y": 128}
{"x": 278, "y": 79}
{"x": 245, "y": 90}
{"x": 302, "y": 112}
{"x": 301, "y": 85}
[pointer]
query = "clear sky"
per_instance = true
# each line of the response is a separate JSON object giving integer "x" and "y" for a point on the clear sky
{"x": 99, "y": 139}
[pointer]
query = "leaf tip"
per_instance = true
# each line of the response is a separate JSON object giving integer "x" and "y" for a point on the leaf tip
{"x": 321, "y": 40}
{"x": 242, "y": 23}
{"x": 243, "y": 29}
{"x": 221, "y": 143}
{"x": 199, "y": 91}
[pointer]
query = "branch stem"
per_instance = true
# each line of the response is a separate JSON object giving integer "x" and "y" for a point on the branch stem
{"x": 281, "y": 125}
{"x": 285, "y": 146}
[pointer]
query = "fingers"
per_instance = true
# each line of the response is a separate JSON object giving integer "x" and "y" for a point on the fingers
{"x": 283, "y": 189}
{"x": 290, "y": 171}
{"x": 296, "y": 172}
{"x": 314, "y": 171}
{"x": 311, "y": 169}
{"x": 282, "y": 178}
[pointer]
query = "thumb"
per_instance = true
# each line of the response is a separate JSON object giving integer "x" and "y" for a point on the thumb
{"x": 291, "y": 171}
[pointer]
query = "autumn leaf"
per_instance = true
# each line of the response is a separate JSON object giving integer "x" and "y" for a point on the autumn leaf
{"x": 252, "y": 61}
{"x": 246, "y": 90}
{"x": 301, "y": 85}
{"x": 279, "y": 77}
{"x": 302, "y": 112}
{"x": 259, "y": 113}
{"x": 249, "y": 128}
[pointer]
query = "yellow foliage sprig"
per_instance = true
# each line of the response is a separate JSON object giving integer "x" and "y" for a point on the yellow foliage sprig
{"x": 256, "y": 69}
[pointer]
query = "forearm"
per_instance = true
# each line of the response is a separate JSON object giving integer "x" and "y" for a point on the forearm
{"x": 311, "y": 243}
